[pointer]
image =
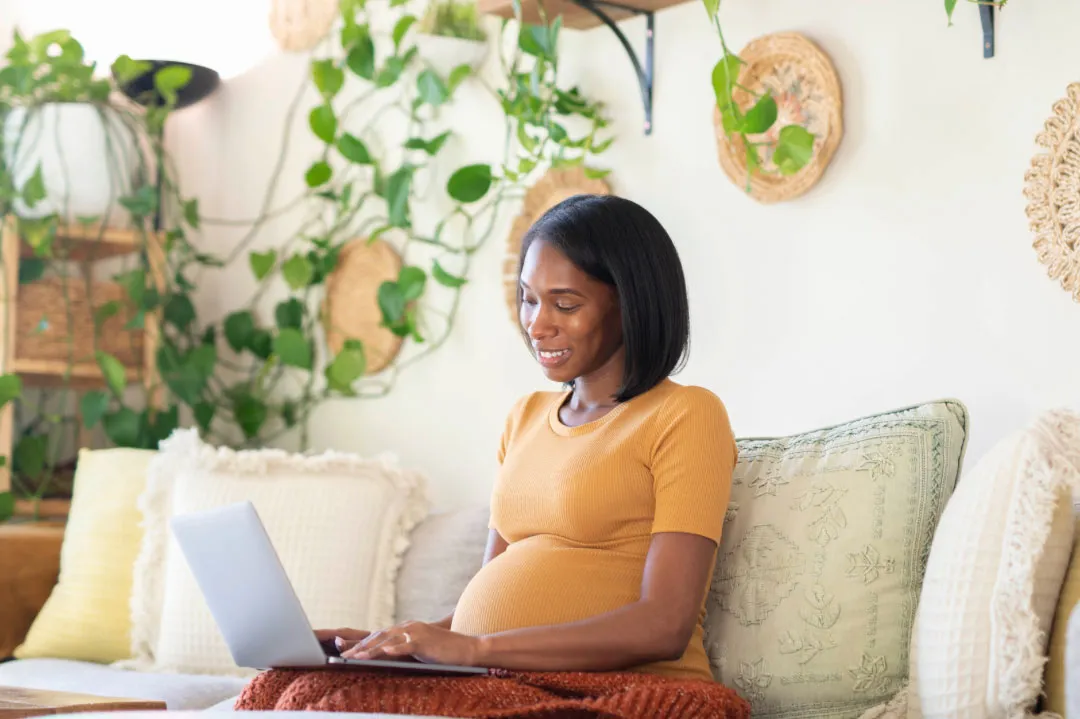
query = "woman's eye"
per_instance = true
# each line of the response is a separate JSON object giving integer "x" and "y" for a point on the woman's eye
{"x": 567, "y": 308}
{"x": 528, "y": 301}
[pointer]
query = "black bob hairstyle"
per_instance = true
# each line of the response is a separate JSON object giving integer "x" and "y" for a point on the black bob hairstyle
{"x": 620, "y": 243}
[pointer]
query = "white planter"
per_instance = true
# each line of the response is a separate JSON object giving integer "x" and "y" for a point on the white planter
{"x": 445, "y": 53}
{"x": 88, "y": 159}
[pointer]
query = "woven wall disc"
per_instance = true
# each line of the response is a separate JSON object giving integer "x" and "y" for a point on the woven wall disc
{"x": 1052, "y": 187}
{"x": 804, "y": 83}
{"x": 351, "y": 308}
{"x": 299, "y": 25}
{"x": 551, "y": 189}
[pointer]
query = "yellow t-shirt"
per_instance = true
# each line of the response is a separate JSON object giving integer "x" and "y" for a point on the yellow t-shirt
{"x": 578, "y": 507}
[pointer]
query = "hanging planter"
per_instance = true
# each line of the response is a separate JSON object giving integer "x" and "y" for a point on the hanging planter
{"x": 450, "y": 35}
{"x": 87, "y": 158}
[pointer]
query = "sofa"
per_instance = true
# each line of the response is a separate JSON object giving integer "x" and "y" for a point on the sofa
{"x": 445, "y": 549}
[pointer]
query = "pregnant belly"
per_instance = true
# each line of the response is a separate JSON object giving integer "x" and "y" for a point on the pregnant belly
{"x": 540, "y": 581}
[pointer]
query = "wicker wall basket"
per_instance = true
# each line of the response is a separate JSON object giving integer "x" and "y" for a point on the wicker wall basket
{"x": 43, "y": 328}
{"x": 1052, "y": 187}
{"x": 299, "y": 25}
{"x": 351, "y": 308}
{"x": 551, "y": 189}
{"x": 805, "y": 85}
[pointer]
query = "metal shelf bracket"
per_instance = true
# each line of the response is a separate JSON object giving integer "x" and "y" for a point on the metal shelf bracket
{"x": 644, "y": 73}
{"x": 986, "y": 14}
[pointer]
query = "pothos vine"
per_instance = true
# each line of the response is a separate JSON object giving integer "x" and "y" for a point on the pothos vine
{"x": 247, "y": 379}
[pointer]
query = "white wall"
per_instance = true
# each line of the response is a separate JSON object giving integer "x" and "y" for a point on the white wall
{"x": 906, "y": 275}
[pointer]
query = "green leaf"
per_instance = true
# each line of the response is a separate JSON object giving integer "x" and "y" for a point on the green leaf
{"x": 470, "y": 183}
{"x": 950, "y": 5}
{"x": 262, "y": 263}
{"x": 323, "y": 123}
{"x": 596, "y": 174}
{"x": 250, "y": 413}
{"x": 431, "y": 88}
{"x": 724, "y": 76}
{"x": 711, "y": 7}
{"x": 10, "y": 388}
{"x": 104, "y": 312}
{"x": 431, "y": 147}
{"x": 179, "y": 312}
{"x": 391, "y": 72}
{"x": 33, "y": 191}
{"x": 134, "y": 284}
{"x": 391, "y": 303}
{"x": 761, "y": 116}
{"x": 143, "y": 203}
{"x": 444, "y": 278}
{"x": 400, "y": 28}
{"x": 298, "y": 272}
{"x": 92, "y": 407}
{"x": 353, "y": 149}
{"x": 239, "y": 330}
{"x": 204, "y": 415}
{"x": 191, "y": 213}
{"x": 753, "y": 162}
{"x": 262, "y": 344}
{"x": 162, "y": 424}
{"x": 794, "y": 148}
{"x": 30, "y": 455}
{"x": 122, "y": 427}
{"x": 348, "y": 366}
{"x": 168, "y": 80}
{"x": 31, "y": 270}
{"x": 533, "y": 40}
{"x": 113, "y": 371}
{"x": 457, "y": 76}
{"x": 361, "y": 59}
{"x": 318, "y": 174}
{"x": 137, "y": 322}
{"x": 411, "y": 280}
{"x": 328, "y": 77}
{"x": 397, "y": 196}
{"x": 7, "y": 506}
{"x": 293, "y": 348}
{"x": 124, "y": 69}
{"x": 186, "y": 375}
{"x": 290, "y": 314}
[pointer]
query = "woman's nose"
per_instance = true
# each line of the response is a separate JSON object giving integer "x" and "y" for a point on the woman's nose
{"x": 538, "y": 325}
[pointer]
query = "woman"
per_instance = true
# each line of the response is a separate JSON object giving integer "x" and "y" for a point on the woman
{"x": 611, "y": 495}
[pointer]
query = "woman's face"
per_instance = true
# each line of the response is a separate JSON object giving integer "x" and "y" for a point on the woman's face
{"x": 572, "y": 320}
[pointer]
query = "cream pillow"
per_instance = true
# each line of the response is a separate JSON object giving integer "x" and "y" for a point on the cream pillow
{"x": 339, "y": 523}
{"x": 1068, "y": 600}
{"x": 86, "y": 616}
{"x": 995, "y": 572}
{"x": 821, "y": 561}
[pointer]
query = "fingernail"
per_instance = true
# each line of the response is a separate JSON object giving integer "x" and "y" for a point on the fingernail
{"x": 339, "y": 642}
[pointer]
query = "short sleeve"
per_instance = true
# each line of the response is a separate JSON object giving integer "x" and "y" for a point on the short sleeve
{"x": 692, "y": 464}
{"x": 512, "y": 420}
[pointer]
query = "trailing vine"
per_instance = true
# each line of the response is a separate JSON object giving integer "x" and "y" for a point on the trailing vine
{"x": 249, "y": 378}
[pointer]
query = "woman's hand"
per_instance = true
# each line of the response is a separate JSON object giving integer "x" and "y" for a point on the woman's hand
{"x": 425, "y": 642}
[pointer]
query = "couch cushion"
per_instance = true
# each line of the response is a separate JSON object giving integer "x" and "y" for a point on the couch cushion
{"x": 822, "y": 559}
{"x": 445, "y": 551}
{"x": 178, "y": 691}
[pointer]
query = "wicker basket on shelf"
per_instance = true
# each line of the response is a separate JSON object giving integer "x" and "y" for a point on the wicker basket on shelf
{"x": 45, "y": 331}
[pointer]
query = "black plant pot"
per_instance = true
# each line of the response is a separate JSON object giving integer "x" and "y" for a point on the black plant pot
{"x": 203, "y": 82}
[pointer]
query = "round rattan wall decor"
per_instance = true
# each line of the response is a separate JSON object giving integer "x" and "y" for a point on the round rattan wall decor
{"x": 351, "y": 307}
{"x": 299, "y": 25}
{"x": 551, "y": 189}
{"x": 802, "y": 79}
{"x": 1052, "y": 187}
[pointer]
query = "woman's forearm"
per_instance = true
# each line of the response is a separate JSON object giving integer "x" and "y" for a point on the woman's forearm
{"x": 445, "y": 622}
{"x": 628, "y": 636}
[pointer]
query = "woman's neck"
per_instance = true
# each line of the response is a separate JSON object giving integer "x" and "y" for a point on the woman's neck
{"x": 598, "y": 388}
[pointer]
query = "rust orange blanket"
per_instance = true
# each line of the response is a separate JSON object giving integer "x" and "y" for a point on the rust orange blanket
{"x": 502, "y": 695}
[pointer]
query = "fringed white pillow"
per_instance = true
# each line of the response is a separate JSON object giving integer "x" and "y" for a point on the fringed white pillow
{"x": 339, "y": 523}
{"x": 995, "y": 571}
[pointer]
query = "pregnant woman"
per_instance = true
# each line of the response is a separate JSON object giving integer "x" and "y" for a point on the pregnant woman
{"x": 611, "y": 495}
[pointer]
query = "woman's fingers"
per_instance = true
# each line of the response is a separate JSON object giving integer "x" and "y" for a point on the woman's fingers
{"x": 326, "y": 635}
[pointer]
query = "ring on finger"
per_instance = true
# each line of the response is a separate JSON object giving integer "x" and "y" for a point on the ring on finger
{"x": 406, "y": 637}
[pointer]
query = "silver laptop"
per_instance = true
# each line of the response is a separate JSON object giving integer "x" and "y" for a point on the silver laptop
{"x": 253, "y": 601}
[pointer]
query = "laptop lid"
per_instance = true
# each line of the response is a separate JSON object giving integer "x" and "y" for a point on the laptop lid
{"x": 246, "y": 588}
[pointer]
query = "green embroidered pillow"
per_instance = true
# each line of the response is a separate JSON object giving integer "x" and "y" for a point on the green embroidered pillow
{"x": 819, "y": 570}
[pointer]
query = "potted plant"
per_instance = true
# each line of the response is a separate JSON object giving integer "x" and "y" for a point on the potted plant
{"x": 451, "y": 35}
{"x": 66, "y": 151}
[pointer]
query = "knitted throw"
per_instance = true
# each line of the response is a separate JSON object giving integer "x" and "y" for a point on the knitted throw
{"x": 501, "y": 695}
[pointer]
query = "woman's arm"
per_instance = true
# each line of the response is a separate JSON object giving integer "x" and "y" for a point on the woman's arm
{"x": 657, "y": 627}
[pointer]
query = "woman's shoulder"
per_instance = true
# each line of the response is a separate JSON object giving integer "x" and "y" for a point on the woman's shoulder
{"x": 531, "y": 405}
{"x": 675, "y": 398}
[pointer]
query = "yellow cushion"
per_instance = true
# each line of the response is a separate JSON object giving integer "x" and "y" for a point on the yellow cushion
{"x": 88, "y": 616}
{"x": 1069, "y": 598}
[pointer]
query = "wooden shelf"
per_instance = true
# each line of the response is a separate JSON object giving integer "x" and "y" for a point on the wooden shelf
{"x": 48, "y": 509}
{"x": 83, "y": 243}
{"x": 573, "y": 15}
{"x": 51, "y": 373}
